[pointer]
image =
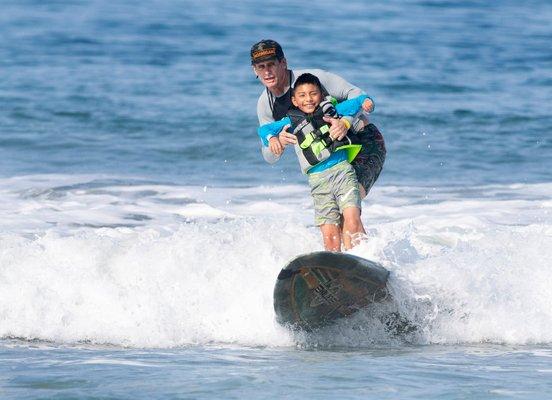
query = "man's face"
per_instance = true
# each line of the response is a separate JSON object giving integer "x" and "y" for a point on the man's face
{"x": 306, "y": 97}
{"x": 272, "y": 73}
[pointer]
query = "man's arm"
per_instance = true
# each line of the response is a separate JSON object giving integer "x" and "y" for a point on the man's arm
{"x": 348, "y": 110}
{"x": 272, "y": 129}
{"x": 268, "y": 155}
{"x": 269, "y": 134}
{"x": 264, "y": 112}
{"x": 335, "y": 85}
{"x": 284, "y": 138}
{"x": 352, "y": 106}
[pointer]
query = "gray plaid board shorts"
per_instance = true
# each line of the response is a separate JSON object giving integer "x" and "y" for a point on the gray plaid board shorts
{"x": 333, "y": 190}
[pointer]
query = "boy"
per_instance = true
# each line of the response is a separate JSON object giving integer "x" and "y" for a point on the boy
{"x": 326, "y": 161}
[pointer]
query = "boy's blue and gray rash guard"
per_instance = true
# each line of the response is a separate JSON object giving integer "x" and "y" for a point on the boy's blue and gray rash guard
{"x": 336, "y": 86}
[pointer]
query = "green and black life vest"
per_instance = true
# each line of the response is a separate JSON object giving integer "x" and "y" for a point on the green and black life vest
{"x": 314, "y": 144}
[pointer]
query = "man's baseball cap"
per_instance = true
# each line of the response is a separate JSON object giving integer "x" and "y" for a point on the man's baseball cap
{"x": 266, "y": 50}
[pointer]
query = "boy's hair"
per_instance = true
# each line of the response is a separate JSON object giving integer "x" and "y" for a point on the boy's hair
{"x": 304, "y": 79}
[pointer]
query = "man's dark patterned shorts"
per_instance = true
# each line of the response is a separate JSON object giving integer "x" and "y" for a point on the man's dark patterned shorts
{"x": 369, "y": 162}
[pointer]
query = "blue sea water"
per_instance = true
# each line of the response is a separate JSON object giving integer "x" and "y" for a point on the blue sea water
{"x": 141, "y": 231}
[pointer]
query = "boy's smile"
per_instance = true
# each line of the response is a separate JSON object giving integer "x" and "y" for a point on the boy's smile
{"x": 306, "y": 97}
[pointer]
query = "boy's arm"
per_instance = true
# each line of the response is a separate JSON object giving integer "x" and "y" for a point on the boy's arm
{"x": 352, "y": 106}
{"x": 268, "y": 155}
{"x": 268, "y": 131}
{"x": 351, "y": 110}
{"x": 271, "y": 129}
{"x": 347, "y": 111}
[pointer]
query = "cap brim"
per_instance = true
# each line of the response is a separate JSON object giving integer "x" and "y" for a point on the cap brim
{"x": 263, "y": 59}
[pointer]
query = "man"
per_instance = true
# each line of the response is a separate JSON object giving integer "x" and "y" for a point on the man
{"x": 270, "y": 66}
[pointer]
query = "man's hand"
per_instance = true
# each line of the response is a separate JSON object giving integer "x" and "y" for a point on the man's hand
{"x": 368, "y": 105}
{"x": 338, "y": 129}
{"x": 274, "y": 145}
{"x": 286, "y": 137}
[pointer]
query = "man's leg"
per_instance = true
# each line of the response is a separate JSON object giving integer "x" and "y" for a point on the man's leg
{"x": 369, "y": 162}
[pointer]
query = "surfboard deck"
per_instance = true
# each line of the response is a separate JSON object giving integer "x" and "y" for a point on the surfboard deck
{"x": 316, "y": 289}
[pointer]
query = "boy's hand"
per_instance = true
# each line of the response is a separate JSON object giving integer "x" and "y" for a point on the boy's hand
{"x": 368, "y": 105}
{"x": 275, "y": 146}
{"x": 338, "y": 129}
{"x": 286, "y": 137}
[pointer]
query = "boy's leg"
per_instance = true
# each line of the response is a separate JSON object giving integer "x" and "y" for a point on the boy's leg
{"x": 352, "y": 226}
{"x": 331, "y": 234}
{"x": 336, "y": 195}
{"x": 347, "y": 194}
{"x": 326, "y": 210}
{"x": 369, "y": 162}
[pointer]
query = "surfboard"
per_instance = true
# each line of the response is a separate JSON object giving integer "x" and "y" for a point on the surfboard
{"x": 316, "y": 289}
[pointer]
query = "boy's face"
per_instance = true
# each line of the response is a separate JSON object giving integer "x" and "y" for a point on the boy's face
{"x": 306, "y": 97}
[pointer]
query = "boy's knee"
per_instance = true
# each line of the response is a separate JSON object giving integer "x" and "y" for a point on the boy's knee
{"x": 351, "y": 213}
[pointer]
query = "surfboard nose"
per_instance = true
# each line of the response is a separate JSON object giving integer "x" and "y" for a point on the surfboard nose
{"x": 316, "y": 289}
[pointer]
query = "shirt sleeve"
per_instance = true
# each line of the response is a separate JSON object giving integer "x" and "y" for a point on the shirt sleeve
{"x": 271, "y": 129}
{"x": 352, "y": 106}
{"x": 337, "y": 86}
{"x": 264, "y": 113}
{"x": 269, "y": 156}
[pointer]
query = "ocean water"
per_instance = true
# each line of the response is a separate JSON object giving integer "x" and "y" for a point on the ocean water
{"x": 141, "y": 232}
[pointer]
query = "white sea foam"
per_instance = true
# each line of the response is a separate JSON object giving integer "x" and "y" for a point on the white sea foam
{"x": 135, "y": 263}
